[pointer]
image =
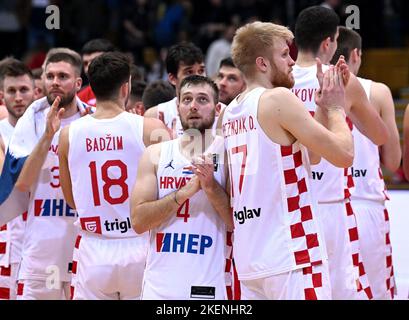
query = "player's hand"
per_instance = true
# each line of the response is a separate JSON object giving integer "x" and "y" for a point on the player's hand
{"x": 203, "y": 168}
{"x": 332, "y": 94}
{"x": 53, "y": 122}
{"x": 189, "y": 189}
{"x": 344, "y": 69}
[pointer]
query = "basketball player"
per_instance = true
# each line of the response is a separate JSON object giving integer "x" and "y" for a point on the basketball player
{"x": 278, "y": 244}
{"x": 90, "y": 51}
{"x": 316, "y": 36}
{"x": 179, "y": 197}
{"x": 369, "y": 195}
{"x": 183, "y": 59}
{"x": 109, "y": 257}
{"x": 229, "y": 80}
{"x": 18, "y": 89}
{"x": 45, "y": 271}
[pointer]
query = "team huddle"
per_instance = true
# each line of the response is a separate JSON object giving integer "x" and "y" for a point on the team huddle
{"x": 261, "y": 183}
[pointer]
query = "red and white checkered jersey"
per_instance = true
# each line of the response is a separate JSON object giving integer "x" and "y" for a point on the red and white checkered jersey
{"x": 329, "y": 183}
{"x": 188, "y": 251}
{"x": 274, "y": 216}
{"x": 12, "y": 233}
{"x": 103, "y": 162}
{"x": 50, "y": 233}
{"x": 366, "y": 170}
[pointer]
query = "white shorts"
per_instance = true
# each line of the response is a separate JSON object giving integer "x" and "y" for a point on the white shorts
{"x": 373, "y": 226}
{"x": 28, "y": 289}
{"x": 311, "y": 283}
{"x": 347, "y": 273}
{"x": 108, "y": 269}
{"x": 8, "y": 281}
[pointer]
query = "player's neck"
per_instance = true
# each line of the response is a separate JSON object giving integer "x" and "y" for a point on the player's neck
{"x": 306, "y": 59}
{"x": 107, "y": 109}
{"x": 70, "y": 109}
{"x": 12, "y": 120}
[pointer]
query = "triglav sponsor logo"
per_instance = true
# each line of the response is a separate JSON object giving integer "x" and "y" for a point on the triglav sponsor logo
{"x": 93, "y": 225}
{"x": 242, "y": 215}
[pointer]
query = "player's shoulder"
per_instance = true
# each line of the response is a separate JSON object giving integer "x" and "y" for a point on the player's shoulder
{"x": 276, "y": 96}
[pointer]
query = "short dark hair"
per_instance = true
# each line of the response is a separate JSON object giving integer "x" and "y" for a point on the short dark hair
{"x": 348, "y": 40}
{"x": 107, "y": 73}
{"x": 97, "y": 45}
{"x": 11, "y": 67}
{"x": 157, "y": 92}
{"x": 201, "y": 80}
{"x": 315, "y": 24}
{"x": 137, "y": 88}
{"x": 72, "y": 59}
{"x": 185, "y": 52}
{"x": 37, "y": 73}
{"x": 137, "y": 73}
{"x": 227, "y": 62}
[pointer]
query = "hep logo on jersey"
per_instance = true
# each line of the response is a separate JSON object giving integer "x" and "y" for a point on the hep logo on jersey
{"x": 242, "y": 215}
{"x": 181, "y": 242}
{"x": 53, "y": 208}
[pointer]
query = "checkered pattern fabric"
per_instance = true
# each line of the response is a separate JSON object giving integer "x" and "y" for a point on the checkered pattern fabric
{"x": 5, "y": 273}
{"x": 305, "y": 244}
{"x": 232, "y": 280}
{"x": 362, "y": 278}
{"x": 74, "y": 265}
{"x": 349, "y": 183}
{"x": 390, "y": 281}
{"x": 385, "y": 192}
{"x": 313, "y": 279}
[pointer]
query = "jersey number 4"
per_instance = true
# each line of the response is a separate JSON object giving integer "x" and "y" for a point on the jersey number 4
{"x": 109, "y": 182}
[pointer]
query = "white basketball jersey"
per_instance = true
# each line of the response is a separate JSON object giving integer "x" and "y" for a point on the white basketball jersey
{"x": 275, "y": 228}
{"x": 168, "y": 113}
{"x": 329, "y": 183}
{"x": 50, "y": 233}
{"x": 12, "y": 233}
{"x": 186, "y": 258}
{"x": 366, "y": 170}
{"x": 108, "y": 151}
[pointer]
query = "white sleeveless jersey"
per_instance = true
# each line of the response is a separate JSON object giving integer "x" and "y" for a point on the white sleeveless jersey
{"x": 168, "y": 113}
{"x": 12, "y": 233}
{"x": 329, "y": 183}
{"x": 366, "y": 170}
{"x": 108, "y": 151}
{"x": 275, "y": 227}
{"x": 50, "y": 233}
{"x": 188, "y": 251}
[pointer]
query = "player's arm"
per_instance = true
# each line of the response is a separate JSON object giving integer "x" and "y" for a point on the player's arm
{"x": 154, "y": 131}
{"x": 335, "y": 143}
{"x": 32, "y": 166}
{"x": 406, "y": 143}
{"x": 381, "y": 98}
{"x": 65, "y": 176}
{"x": 147, "y": 211}
{"x": 203, "y": 168}
{"x": 363, "y": 115}
{"x": 2, "y": 152}
{"x": 151, "y": 113}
